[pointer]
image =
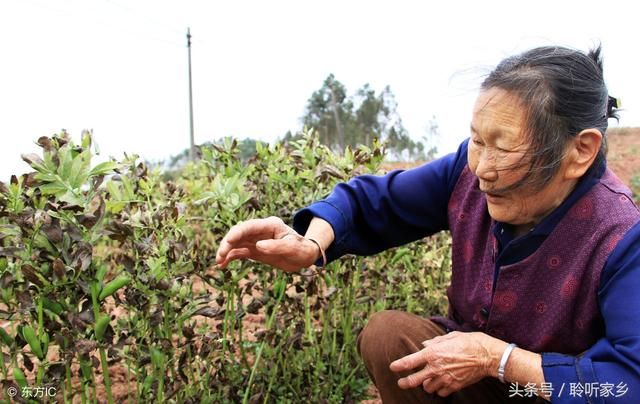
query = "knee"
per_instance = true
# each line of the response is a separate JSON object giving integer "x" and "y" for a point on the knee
{"x": 380, "y": 338}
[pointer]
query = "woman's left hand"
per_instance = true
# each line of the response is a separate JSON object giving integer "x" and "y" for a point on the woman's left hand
{"x": 450, "y": 362}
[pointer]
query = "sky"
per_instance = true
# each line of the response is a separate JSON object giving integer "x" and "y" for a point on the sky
{"x": 119, "y": 68}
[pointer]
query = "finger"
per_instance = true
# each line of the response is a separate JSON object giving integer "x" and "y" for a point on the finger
{"x": 414, "y": 379}
{"x": 233, "y": 240}
{"x": 434, "y": 384}
{"x": 425, "y": 384}
{"x": 440, "y": 338}
{"x": 251, "y": 230}
{"x": 409, "y": 362}
{"x": 287, "y": 245}
{"x": 237, "y": 253}
{"x": 255, "y": 227}
{"x": 445, "y": 392}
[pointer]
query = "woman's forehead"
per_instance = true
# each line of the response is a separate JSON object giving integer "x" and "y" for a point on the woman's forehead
{"x": 498, "y": 112}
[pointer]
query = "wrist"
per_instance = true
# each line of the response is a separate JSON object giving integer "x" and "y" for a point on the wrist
{"x": 504, "y": 358}
{"x": 495, "y": 350}
{"x": 320, "y": 252}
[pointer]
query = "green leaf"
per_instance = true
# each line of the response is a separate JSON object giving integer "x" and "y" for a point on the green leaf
{"x": 86, "y": 140}
{"x": 111, "y": 287}
{"x": 29, "y": 335}
{"x": 79, "y": 170}
{"x": 101, "y": 325}
{"x": 103, "y": 168}
{"x": 5, "y": 337}
{"x": 20, "y": 378}
{"x": 53, "y": 188}
{"x": 66, "y": 162}
{"x": 46, "y": 176}
{"x": 114, "y": 191}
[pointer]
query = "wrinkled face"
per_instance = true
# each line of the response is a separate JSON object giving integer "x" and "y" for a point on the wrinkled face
{"x": 498, "y": 157}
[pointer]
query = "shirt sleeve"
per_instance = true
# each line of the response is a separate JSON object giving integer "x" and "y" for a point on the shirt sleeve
{"x": 610, "y": 369}
{"x": 370, "y": 213}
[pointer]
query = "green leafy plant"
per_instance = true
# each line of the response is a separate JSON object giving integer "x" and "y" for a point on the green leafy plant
{"x": 110, "y": 290}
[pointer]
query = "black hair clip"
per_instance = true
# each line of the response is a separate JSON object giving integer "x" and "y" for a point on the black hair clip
{"x": 611, "y": 104}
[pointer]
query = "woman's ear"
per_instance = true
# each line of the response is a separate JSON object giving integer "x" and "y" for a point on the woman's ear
{"x": 583, "y": 151}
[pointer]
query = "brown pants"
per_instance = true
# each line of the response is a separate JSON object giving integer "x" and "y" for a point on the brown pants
{"x": 390, "y": 335}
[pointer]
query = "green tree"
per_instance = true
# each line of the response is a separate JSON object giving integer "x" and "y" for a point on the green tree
{"x": 329, "y": 111}
{"x": 342, "y": 121}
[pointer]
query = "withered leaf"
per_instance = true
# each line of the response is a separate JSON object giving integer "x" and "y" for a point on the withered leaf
{"x": 25, "y": 300}
{"x": 88, "y": 220}
{"x": 117, "y": 230}
{"x": 62, "y": 139}
{"x": 97, "y": 181}
{"x": 254, "y": 306}
{"x": 53, "y": 232}
{"x": 59, "y": 270}
{"x": 86, "y": 316}
{"x": 84, "y": 286}
{"x": 28, "y": 364}
{"x": 188, "y": 331}
{"x": 329, "y": 292}
{"x": 9, "y": 252}
{"x": 56, "y": 371}
{"x": 32, "y": 158}
{"x": 182, "y": 362}
{"x": 210, "y": 312}
{"x": 85, "y": 346}
{"x": 126, "y": 261}
{"x": 156, "y": 318}
{"x": 82, "y": 256}
{"x": 29, "y": 273}
{"x": 6, "y": 279}
{"x": 95, "y": 212}
{"x": 74, "y": 232}
{"x": 72, "y": 207}
{"x": 52, "y": 205}
{"x": 29, "y": 180}
{"x": 163, "y": 284}
{"x": 325, "y": 171}
{"x": 45, "y": 143}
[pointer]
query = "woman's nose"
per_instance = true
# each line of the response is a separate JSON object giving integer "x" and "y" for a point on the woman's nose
{"x": 486, "y": 169}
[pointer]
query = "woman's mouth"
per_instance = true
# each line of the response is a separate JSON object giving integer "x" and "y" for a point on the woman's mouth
{"x": 494, "y": 198}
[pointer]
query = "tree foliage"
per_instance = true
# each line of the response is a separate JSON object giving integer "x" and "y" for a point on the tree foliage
{"x": 342, "y": 120}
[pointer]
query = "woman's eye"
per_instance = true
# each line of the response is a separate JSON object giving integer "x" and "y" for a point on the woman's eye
{"x": 477, "y": 142}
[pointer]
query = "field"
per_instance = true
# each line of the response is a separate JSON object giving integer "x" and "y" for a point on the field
{"x": 110, "y": 292}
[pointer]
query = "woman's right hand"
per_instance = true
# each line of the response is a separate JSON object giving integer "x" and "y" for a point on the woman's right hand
{"x": 269, "y": 241}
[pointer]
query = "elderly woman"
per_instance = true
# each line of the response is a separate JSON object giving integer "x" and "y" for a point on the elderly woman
{"x": 543, "y": 301}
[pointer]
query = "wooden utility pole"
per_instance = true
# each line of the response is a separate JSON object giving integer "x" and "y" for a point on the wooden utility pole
{"x": 192, "y": 147}
{"x": 336, "y": 115}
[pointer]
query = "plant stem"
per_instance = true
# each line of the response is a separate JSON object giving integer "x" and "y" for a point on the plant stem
{"x": 259, "y": 354}
{"x": 105, "y": 375}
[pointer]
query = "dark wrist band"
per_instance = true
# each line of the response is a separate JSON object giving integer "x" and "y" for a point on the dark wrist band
{"x": 324, "y": 256}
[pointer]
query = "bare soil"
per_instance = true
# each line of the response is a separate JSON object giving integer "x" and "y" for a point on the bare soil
{"x": 624, "y": 153}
